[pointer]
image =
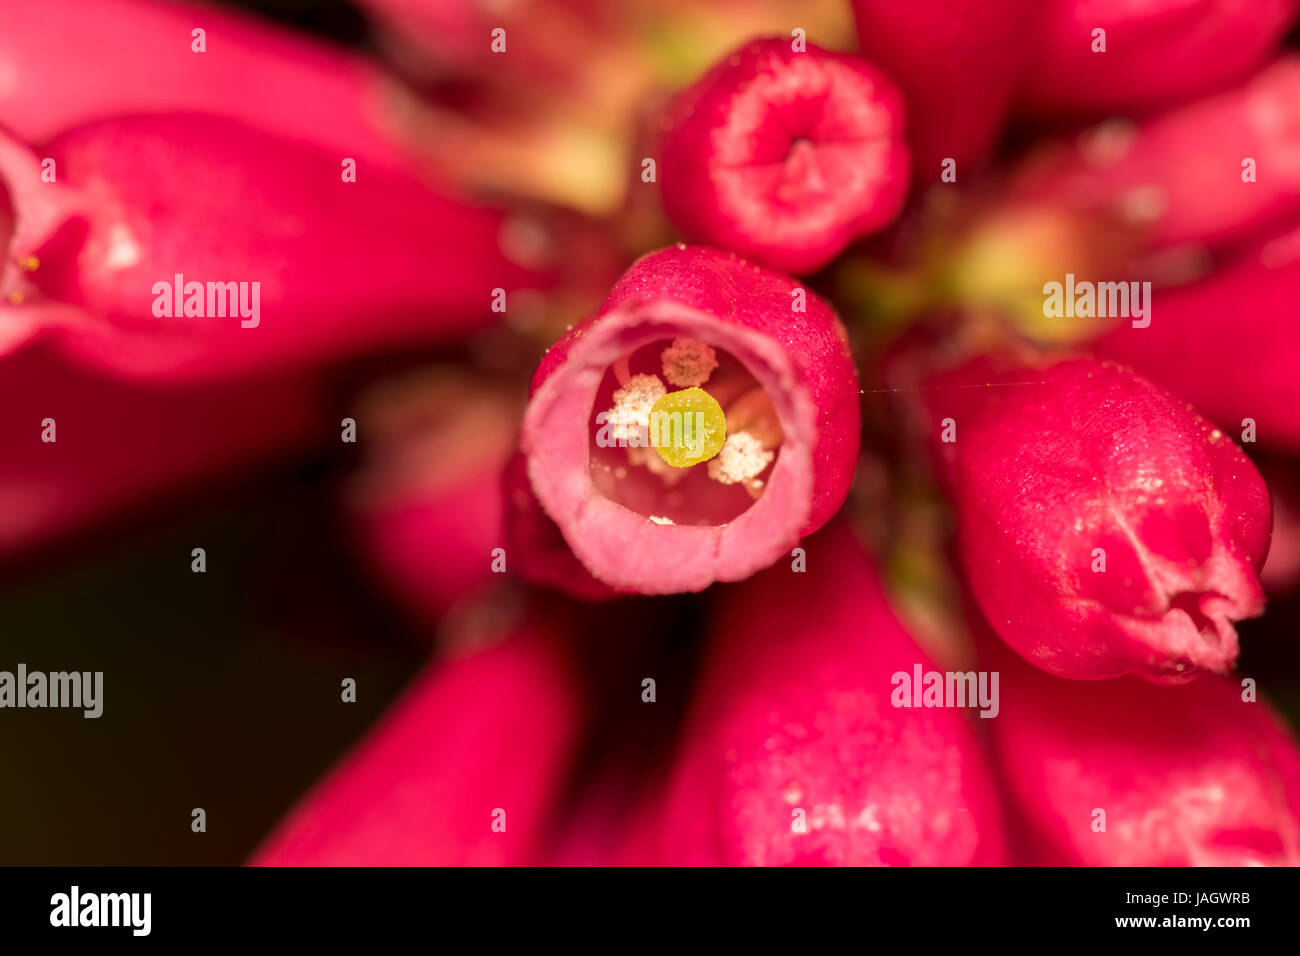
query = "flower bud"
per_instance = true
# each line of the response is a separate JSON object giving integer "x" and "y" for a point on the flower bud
{"x": 1105, "y": 528}
{"x": 784, "y": 377}
{"x": 785, "y": 156}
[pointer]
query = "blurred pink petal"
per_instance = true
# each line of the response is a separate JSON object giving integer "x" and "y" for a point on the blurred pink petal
{"x": 1185, "y": 776}
{"x": 493, "y": 731}
{"x": 1178, "y": 177}
{"x": 957, "y": 63}
{"x": 1228, "y": 344}
{"x": 1105, "y": 527}
{"x": 139, "y": 53}
{"x": 1156, "y": 52}
{"x": 785, "y": 156}
{"x": 604, "y": 504}
{"x": 120, "y": 445}
{"x": 793, "y": 713}
{"x": 340, "y": 267}
{"x": 426, "y": 507}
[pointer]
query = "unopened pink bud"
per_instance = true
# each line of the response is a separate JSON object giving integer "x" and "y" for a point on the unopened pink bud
{"x": 1105, "y": 527}
{"x": 800, "y": 749}
{"x": 784, "y": 376}
{"x": 785, "y": 156}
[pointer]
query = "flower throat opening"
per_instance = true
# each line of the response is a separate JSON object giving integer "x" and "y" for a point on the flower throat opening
{"x": 682, "y": 433}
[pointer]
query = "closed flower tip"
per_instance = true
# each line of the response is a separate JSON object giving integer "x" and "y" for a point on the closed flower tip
{"x": 1105, "y": 528}
{"x": 785, "y": 156}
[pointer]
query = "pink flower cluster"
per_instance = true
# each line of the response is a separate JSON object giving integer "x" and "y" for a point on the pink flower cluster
{"x": 836, "y": 265}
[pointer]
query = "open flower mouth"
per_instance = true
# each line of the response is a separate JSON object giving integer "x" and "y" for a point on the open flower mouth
{"x": 670, "y": 518}
{"x": 683, "y": 433}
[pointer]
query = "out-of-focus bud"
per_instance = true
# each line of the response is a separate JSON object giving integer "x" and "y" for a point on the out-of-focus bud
{"x": 1208, "y": 173}
{"x": 784, "y": 155}
{"x": 202, "y": 248}
{"x": 809, "y": 744}
{"x": 1105, "y": 528}
{"x": 757, "y": 372}
{"x": 426, "y": 507}
{"x": 463, "y": 771}
{"x": 1123, "y": 773}
{"x": 1115, "y": 55}
{"x": 957, "y": 63}
{"x": 1228, "y": 345}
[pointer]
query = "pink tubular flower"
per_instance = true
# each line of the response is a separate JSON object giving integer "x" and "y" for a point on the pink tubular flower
{"x": 758, "y": 348}
{"x": 1123, "y": 773}
{"x": 464, "y": 771}
{"x": 783, "y": 156}
{"x": 1155, "y": 53}
{"x": 1228, "y": 344}
{"x": 957, "y": 63}
{"x": 141, "y": 55}
{"x": 153, "y": 218}
{"x": 1105, "y": 527}
{"x": 796, "y": 753}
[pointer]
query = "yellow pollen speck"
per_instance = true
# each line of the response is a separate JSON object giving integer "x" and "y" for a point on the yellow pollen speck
{"x": 31, "y": 263}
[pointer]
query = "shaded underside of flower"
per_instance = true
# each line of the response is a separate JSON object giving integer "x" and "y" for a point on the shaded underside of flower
{"x": 659, "y": 519}
{"x": 1125, "y": 773}
{"x": 785, "y": 156}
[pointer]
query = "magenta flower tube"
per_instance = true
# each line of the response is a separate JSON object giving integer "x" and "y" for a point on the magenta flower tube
{"x": 694, "y": 324}
{"x": 802, "y": 747}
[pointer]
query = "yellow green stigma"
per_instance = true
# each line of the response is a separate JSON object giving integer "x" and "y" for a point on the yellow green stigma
{"x": 687, "y": 427}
